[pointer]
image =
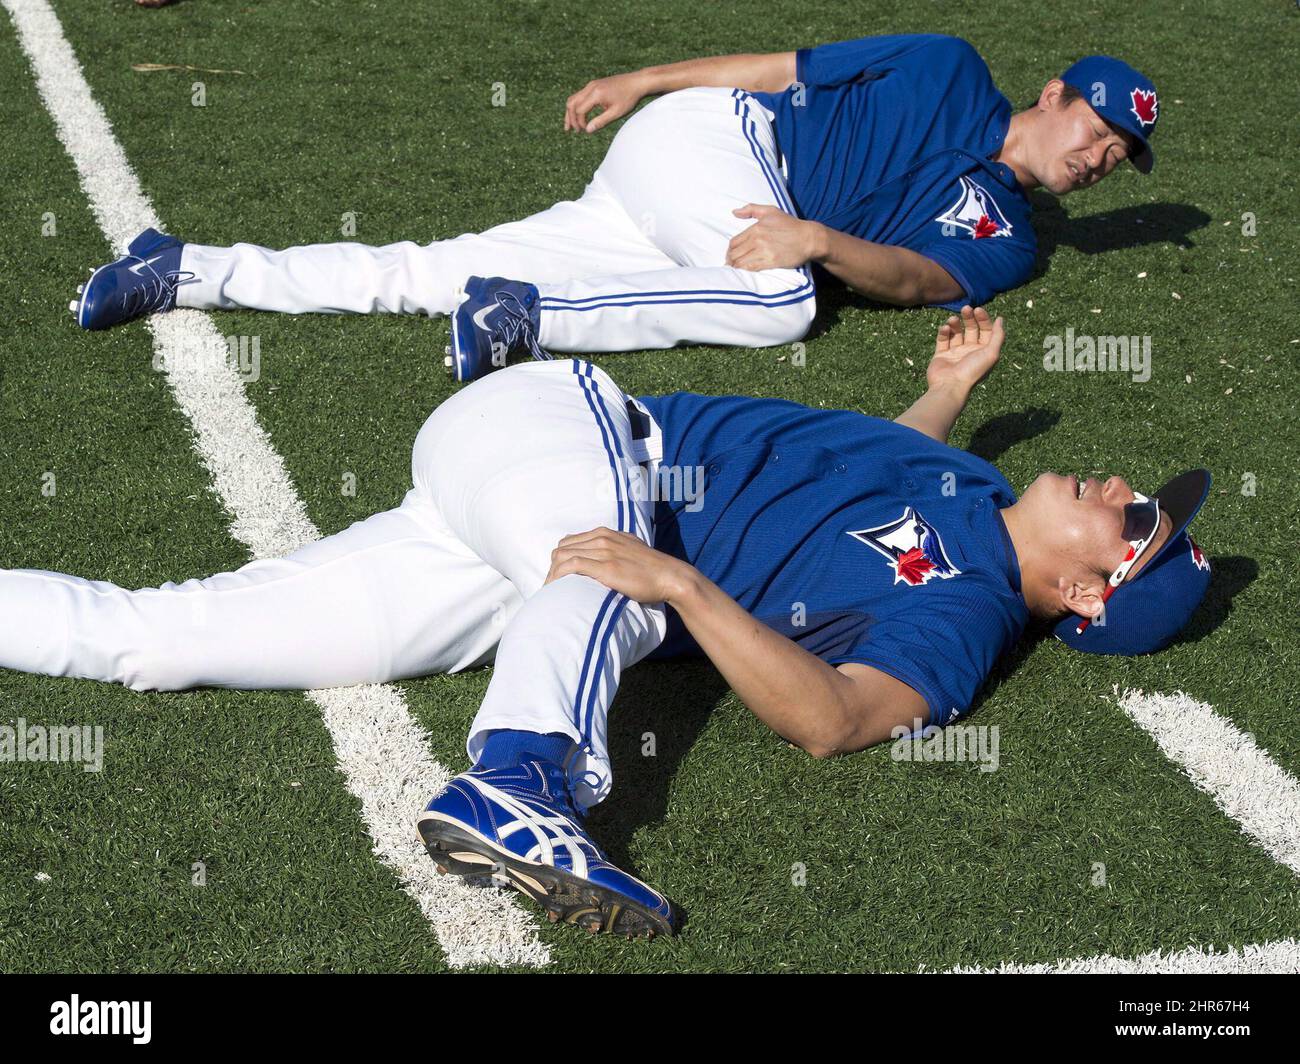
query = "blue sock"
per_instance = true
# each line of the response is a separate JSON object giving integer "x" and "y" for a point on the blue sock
{"x": 505, "y": 748}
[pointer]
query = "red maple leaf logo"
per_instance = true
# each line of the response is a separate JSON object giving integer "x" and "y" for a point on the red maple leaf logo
{"x": 914, "y": 566}
{"x": 1198, "y": 556}
{"x": 1145, "y": 106}
{"x": 986, "y": 226}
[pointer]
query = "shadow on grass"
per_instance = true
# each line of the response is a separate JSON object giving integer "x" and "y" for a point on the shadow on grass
{"x": 1128, "y": 227}
{"x": 999, "y": 434}
{"x": 1229, "y": 576}
{"x": 666, "y": 704}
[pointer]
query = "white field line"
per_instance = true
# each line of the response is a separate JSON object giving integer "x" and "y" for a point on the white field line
{"x": 1272, "y": 958}
{"x": 1243, "y": 780}
{"x": 383, "y": 754}
{"x": 1249, "y": 786}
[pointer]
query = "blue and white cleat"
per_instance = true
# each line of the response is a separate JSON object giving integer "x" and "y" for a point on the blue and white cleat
{"x": 142, "y": 281}
{"x": 518, "y": 825}
{"x": 496, "y": 319}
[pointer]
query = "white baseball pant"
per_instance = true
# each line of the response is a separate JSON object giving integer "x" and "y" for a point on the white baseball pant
{"x": 639, "y": 261}
{"x": 450, "y": 579}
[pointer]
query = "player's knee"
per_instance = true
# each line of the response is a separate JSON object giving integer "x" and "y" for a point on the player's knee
{"x": 791, "y": 323}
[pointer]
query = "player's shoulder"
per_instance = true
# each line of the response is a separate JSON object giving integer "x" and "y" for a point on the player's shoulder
{"x": 956, "y": 50}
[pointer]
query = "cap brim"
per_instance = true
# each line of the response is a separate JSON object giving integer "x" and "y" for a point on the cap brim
{"x": 1145, "y": 159}
{"x": 1181, "y": 498}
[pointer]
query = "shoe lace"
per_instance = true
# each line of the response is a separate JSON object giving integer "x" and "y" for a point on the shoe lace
{"x": 517, "y": 329}
{"x": 156, "y": 293}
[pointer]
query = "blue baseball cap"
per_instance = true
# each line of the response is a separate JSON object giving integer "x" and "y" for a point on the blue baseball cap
{"x": 1150, "y": 608}
{"x": 1123, "y": 97}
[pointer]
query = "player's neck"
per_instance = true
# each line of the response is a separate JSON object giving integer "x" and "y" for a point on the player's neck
{"x": 1012, "y": 152}
{"x": 1032, "y": 557}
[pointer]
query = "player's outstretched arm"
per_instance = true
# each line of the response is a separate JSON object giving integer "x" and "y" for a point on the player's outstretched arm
{"x": 821, "y": 708}
{"x": 615, "y": 96}
{"x": 965, "y": 351}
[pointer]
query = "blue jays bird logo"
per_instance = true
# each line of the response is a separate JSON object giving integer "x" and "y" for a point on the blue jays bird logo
{"x": 976, "y": 211}
{"x": 913, "y": 547}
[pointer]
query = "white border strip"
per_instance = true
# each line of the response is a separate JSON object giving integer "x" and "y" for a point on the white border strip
{"x": 382, "y": 752}
{"x": 1272, "y": 958}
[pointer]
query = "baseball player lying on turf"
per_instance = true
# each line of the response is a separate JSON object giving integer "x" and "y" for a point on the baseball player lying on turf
{"x": 846, "y": 575}
{"x": 892, "y": 162}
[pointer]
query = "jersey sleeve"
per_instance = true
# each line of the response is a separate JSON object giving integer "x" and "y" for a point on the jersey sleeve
{"x": 983, "y": 267}
{"x": 943, "y": 647}
{"x": 848, "y": 61}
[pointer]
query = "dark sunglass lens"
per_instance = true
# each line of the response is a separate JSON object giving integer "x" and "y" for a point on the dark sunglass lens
{"x": 1140, "y": 519}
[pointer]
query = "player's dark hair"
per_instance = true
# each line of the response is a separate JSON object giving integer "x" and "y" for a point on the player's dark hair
{"x": 1070, "y": 93}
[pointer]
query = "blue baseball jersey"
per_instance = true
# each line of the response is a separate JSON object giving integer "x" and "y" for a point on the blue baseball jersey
{"x": 860, "y": 539}
{"x": 889, "y": 139}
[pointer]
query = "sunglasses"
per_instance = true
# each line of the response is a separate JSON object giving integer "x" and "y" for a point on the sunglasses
{"x": 1141, "y": 522}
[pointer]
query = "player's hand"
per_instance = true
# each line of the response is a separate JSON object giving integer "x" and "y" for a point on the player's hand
{"x": 966, "y": 349}
{"x": 775, "y": 241}
{"x": 616, "y": 96}
{"x": 622, "y": 563}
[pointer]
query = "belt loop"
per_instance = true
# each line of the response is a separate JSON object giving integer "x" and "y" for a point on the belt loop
{"x": 647, "y": 436}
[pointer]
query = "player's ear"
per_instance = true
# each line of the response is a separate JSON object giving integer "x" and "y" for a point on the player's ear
{"x": 1081, "y": 593}
{"x": 1050, "y": 97}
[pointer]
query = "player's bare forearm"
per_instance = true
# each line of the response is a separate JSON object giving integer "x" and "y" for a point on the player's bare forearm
{"x": 603, "y": 100}
{"x": 814, "y": 705}
{"x": 753, "y": 72}
{"x": 936, "y": 412}
{"x": 888, "y": 274}
{"x": 965, "y": 350}
{"x": 825, "y": 710}
{"x": 797, "y": 695}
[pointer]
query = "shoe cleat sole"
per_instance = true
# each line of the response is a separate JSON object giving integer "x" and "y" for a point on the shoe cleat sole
{"x": 565, "y": 897}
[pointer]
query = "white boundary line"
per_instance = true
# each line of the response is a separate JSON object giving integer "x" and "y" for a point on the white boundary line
{"x": 1243, "y": 780}
{"x": 1249, "y": 786}
{"x": 1272, "y": 958}
{"x": 382, "y": 752}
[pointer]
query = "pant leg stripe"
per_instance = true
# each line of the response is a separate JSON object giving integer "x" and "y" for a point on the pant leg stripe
{"x": 594, "y": 689}
{"x": 618, "y": 447}
{"x": 605, "y": 435}
{"x": 596, "y": 635}
{"x": 694, "y": 302}
{"x": 612, "y": 607}
{"x": 556, "y": 303}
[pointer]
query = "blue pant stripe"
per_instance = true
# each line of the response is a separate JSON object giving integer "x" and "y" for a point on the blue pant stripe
{"x": 596, "y": 635}
{"x": 594, "y": 689}
{"x": 556, "y": 303}
{"x": 611, "y": 607}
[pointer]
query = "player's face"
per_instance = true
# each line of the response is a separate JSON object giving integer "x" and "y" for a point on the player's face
{"x": 1079, "y": 147}
{"x": 1087, "y": 519}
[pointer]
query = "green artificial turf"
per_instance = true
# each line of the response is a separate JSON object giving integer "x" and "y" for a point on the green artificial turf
{"x": 385, "y": 110}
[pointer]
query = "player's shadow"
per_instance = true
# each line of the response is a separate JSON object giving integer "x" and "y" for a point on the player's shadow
{"x": 999, "y": 434}
{"x": 1127, "y": 227}
{"x": 654, "y": 722}
{"x": 1229, "y": 576}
